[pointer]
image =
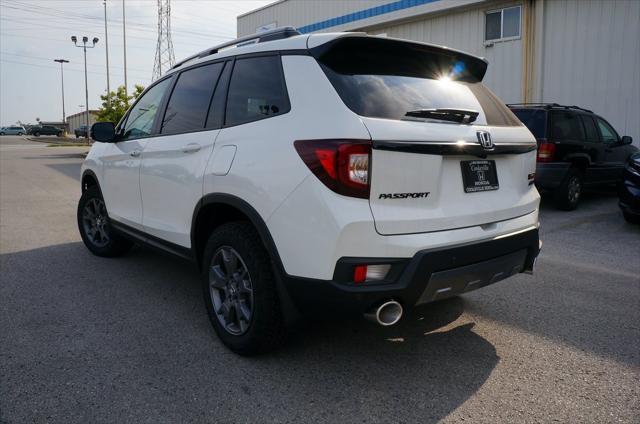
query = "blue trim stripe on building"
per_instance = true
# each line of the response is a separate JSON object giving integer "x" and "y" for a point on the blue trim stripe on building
{"x": 363, "y": 14}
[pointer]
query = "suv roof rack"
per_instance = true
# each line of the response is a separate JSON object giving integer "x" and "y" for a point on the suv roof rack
{"x": 271, "y": 35}
{"x": 549, "y": 106}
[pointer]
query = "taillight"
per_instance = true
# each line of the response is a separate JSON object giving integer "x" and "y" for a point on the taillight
{"x": 546, "y": 151}
{"x": 342, "y": 165}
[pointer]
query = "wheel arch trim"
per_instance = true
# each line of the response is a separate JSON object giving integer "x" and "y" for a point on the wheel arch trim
{"x": 89, "y": 173}
{"x": 249, "y": 211}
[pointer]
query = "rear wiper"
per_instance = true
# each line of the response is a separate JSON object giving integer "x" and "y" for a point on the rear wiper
{"x": 464, "y": 116}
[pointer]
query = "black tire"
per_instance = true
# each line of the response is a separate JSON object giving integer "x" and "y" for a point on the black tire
{"x": 59, "y": 134}
{"x": 112, "y": 244}
{"x": 265, "y": 330}
{"x": 567, "y": 196}
{"x": 20, "y": 134}
{"x": 77, "y": 136}
{"x": 37, "y": 134}
{"x": 631, "y": 219}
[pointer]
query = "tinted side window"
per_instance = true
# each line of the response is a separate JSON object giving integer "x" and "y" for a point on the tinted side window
{"x": 189, "y": 103}
{"x": 566, "y": 126}
{"x": 256, "y": 91}
{"x": 590, "y": 130}
{"x": 140, "y": 119}
{"x": 609, "y": 135}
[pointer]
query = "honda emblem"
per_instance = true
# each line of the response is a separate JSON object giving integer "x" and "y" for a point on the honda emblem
{"x": 484, "y": 138}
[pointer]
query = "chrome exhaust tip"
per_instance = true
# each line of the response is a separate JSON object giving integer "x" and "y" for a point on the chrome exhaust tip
{"x": 389, "y": 313}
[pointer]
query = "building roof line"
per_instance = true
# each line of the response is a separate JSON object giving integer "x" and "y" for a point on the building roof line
{"x": 364, "y": 14}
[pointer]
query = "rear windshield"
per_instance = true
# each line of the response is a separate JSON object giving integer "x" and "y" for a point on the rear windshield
{"x": 534, "y": 119}
{"x": 385, "y": 78}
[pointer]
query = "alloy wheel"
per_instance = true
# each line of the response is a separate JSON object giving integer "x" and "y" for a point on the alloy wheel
{"x": 94, "y": 221}
{"x": 231, "y": 290}
{"x": 573, "y": 189}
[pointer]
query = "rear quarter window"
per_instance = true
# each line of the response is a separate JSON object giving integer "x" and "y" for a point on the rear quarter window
{"x": 257, "y": 90}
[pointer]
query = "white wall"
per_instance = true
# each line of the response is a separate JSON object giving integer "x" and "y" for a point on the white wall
{"x": 591, "y": 58}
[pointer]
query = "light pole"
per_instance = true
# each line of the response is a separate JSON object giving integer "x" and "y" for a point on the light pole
{"x": 84, "y": 47}
{"x": 124, "y": 39}
{"x": 106, "y": 41}
{"x": 61, "y": 62}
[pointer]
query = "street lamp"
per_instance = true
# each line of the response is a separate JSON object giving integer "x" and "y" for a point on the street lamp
{"x": 84, "y": 47}
{"x": 106, "y": 40}
{"x": 124, "y": 39}
{"x": 61, "y": 62}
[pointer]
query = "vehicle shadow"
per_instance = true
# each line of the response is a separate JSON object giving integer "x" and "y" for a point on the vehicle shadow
{"x": 84, "y": 331}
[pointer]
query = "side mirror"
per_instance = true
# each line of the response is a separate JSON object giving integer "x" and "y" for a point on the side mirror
{"x": 626, "y": 140}
{"x": 104, "y": 132}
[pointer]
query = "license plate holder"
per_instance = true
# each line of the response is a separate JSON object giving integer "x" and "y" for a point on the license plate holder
{"x": 479, "y": 175}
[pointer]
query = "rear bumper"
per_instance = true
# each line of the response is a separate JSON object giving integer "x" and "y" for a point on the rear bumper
{"x": 432, "y": 274}
{"x": 549, "y": 176}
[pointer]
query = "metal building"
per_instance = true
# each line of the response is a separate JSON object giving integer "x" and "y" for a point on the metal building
{"x": 575, "y": 52}
{"x": 77, "y": 119}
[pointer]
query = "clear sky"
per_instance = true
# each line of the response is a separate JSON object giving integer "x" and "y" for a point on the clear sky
{"x": 34, "y": 32}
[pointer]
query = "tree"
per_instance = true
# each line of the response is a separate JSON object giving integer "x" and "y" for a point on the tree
{"x": 116, "y": 104}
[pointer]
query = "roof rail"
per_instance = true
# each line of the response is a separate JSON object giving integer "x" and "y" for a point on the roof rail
{"x": 271, "y": 35}
{"x": 549, "y": 106}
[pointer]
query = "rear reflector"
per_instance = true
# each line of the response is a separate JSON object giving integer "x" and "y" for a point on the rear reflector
{"x": 342, "y": 165}
{"x": 546, "y": 152}
{"x": 364, "y": 273}
{"x": 360, "y": 274}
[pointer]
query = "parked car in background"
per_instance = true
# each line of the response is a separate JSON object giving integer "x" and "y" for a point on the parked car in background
{"x": 45, "y": 130}
{"x": 577, "y": 150}
{"x": 13, "y": 130}
{"x": 81, "y": 131}
{"x": 629, "y": 190}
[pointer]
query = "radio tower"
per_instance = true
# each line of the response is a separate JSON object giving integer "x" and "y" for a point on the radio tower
{"x": 164, "y": 51}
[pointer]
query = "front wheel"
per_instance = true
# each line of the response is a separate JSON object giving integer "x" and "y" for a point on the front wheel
{"x": 568, "y": 194}
{"x": 95, "y": 229}
{"x": 240, "y": 291}
{"x": 37, "y": 134}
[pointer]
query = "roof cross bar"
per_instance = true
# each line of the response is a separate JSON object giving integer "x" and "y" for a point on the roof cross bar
{"x": 549, "y": 106}
{"x": 271, "y": 35}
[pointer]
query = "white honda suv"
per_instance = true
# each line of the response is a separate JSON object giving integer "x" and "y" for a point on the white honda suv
{"x": 312, "y": 173}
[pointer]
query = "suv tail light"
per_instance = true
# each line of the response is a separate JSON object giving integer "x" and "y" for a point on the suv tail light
{"x": 546, "y": 151}
{"x": 342, "y": 165}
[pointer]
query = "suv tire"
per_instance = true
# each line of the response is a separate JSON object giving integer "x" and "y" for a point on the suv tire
{"x": 95, "y": 229}
{"x": 239, "y": 290}
{"x": 568, "y": 194}
{"x": 37, "y": 134}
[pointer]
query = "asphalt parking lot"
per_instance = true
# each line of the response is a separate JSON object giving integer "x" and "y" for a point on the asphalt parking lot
{"x": 87, "y": 339}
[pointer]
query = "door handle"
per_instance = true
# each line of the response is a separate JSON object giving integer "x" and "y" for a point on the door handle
{"x": 191, "y": 148}
{"x": 135, "y": 153}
